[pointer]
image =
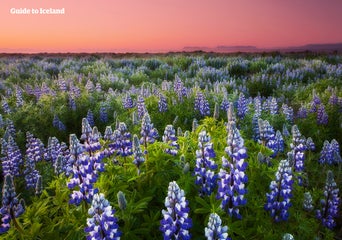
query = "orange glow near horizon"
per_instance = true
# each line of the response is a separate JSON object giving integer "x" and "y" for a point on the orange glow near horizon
{"x": 167, "y": 25}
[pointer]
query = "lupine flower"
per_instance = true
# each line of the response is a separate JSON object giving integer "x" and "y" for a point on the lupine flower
{"x": 179, "y": 88}
{"x": 330, "y": 203}
{"x": 214, "y": 230}
{"x": 11, "y": 207}
{"x": 298, "y": 147}
{"x": 224, "y": 104}
{"x": 268, "y": 137}
{"x": 90, "y": 118}
{"x": 288, "y": 236}
{"x": 232, "y": 177}
{"x": 255, "y": 126}
{"x": 84, "y": 173}
{"x": 176, "y": 221}
{"x": 10, "y": 129}
{"x": 121, "y": 141}
{"x": 148, "y": 132}
{"x": 322, "y": 116}
{"x": 205, "y": 167}
{"x": 11, "y": 159}
{"x": 302, "y": 112}
{"x": 315, "y": 102}
{"x": 278, "y": 200}
{"x": 194, "y": 124}
{"x": 288, "y": 112}
{"x": 102, "y": 223}
{"x": 273, "y": 106}
{"x": 6, "y": 107}
{"x": 122, "y": 202}
{"x": 286, "y": 132}
{"x": 327, "y": 155}
{"x": 279, "y": 142}
{"x": 128, "y": 102}
{"x": 202, "y": 104}
{"x": 103, "y": 114}
{"x": 162, "y": 103}
{"x": 170, "y": 138}
{"x": 19, "y": 97}
{"x": 242, "y": 107}
{"x": 310, "y": 145}
{"x": 257, "y": 107}
{"x": 307, "y": 202}
{"x": 57, "y": 123}
{"x": 72, "y": 103}
{"x": 137, "y": 153}
{"x": 141, "y": 108}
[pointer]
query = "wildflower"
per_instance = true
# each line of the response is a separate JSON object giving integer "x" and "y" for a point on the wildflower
{"x": 162, "y": 103}
{"x": 298, "y": 147}
{"x": 322, "y": 116}
{"x": 232, "y": 177}
{"x": 242, "y": 107}
{"x": 205, "y": 167}
{"x": 170, "y": 138}
{"x": 307, "y": 203}
{"x": 90, "y": 118}
{"x": 330, "y": 203}
{"x": 176, "y": 221}
{"x": 202, "y": 104}
{"x": 102, "y": 223}
{"x": 215, "y": 231}
{"x": 278, "y": 200}
{"x": 137, "y": 153}
{"x": 148, "y": 132}
{"x": 121, "y": 141}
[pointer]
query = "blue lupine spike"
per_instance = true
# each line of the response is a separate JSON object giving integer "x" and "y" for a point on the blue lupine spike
{"x": 102, "y": 224}
{"x": 329, "y": 204}
{"x": 205, "y": 167}
{"x": 90, "y": 118}
{"x": 242, "y": 107}
{"x": 170, "y": 138}
{"x": 176, "y": 222}
{"x": 298, "y": 147}
{"x": 202, "y": 104}
{"x": 141, "y": 108}
{"x": 148, "y": 133}
{"x": 162, "y": 103}
{"x": 322, "y": 116}
{"x": 215, "y": 230}
{"x": 137, "y": 153}
{"x": 307, "y": 202}
{"x": 278, "y": 200}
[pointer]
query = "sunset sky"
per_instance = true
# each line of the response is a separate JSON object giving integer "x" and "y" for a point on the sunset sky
{"x": 167, "y": 25}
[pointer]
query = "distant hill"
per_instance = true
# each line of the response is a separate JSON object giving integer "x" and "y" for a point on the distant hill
{"x": 329, "y": 47}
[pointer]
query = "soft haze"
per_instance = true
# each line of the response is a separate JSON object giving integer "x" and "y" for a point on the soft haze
{"x": 167, "y": 25}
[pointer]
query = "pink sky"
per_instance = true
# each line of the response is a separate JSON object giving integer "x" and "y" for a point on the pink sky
{"x": 167, "y": 25}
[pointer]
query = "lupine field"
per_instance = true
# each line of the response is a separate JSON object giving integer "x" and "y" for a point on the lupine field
{"x": 173, "y": 146}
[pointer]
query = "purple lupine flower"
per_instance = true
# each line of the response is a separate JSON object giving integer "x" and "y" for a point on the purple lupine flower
{"x": 307, "y": 202}
{"x": 330, "y": 203}
{"x": 278, "y": 200}
{"x": 10, "y": 129}
{"x": 298, "y": 147}
{"x": 205, "y": 166}
{"x": 255, "y": 126}
{"x": 121, "y": 141}
{"x": 232, "y": 177}
{"x": 286, "y": 132}
{"x": 310, "y": 145}
{"x": 267, "y": 136}
{"x": 141, "y": 108}
{"x": 89, "y": 86}
{"x": 103, "y": 114}
{"x": 102, "y": 223}
{"x": 138, "y": 155}
{"x": 279, "y": 142}
{"x": 316, "y": 101}
{"x": 242, "y": 107}
{"x": 322, "y": 116}
{"x": 288, "y": 112}
{"x": 72, "y": 103}
{"x": 224, "y": 104}
{"x": 202, "y": 104}
{"x": 57, "y": 123}
{"x": 11, "y": 159}
{"x": 162, "y": 103}
{"x": 108, "y": 137}
{"x": 83, "y": 173}
{"x": 333, "y": 99}
{"x": 215, "y": 230}
{"x": 257, "y": 107}
{"x": 302, "y": 112}
{"x": 179, "y": 88}
{"x": 148, "y": 133}
{"x": 273, "y": 106}
{"x": 128, "y": 102}
{"x": 176, "y": 221}
{"x": 170, "y": 138}
{"x": 19, "y": 97}
{"x": 11, "y": 206}
{"x": 6, "y": 107}
{"x": 330, "y": 153}
{"x": 90, "y": 118}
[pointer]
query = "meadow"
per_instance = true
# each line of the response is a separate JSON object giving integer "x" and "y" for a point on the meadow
{"x": 171, "y": 146}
